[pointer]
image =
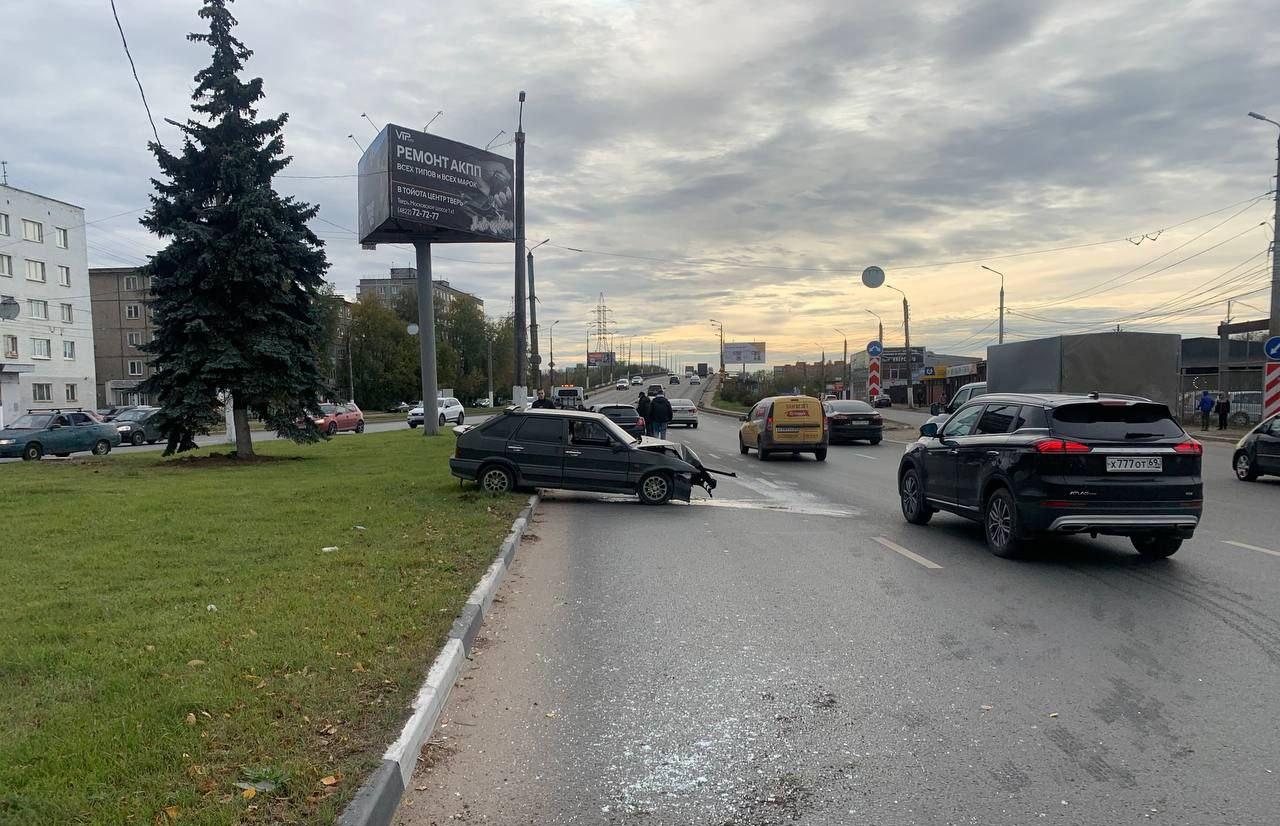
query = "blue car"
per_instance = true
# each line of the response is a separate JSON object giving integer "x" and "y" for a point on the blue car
{"x": 57, "y": 432}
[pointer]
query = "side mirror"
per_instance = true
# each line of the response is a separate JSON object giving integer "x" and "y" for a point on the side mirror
{"x": 744, "y": 418}
{"x": 935, "y": 408}
{"x": 929, "y": 430}
{"x": 54, "y": 426}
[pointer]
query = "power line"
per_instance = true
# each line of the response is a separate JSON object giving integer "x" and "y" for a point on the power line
{"x": 135, "y": 72}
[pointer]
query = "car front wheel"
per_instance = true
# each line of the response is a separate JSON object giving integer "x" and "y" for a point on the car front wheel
{"x": 1156, "y": 546}
{"x": 32, "y": 452}
{"x": 820, "y": 454}
{"x": 914, "y": 509}
{"x": 1243, "y": 465}
{"x": 442, "y": 420}
{"x": 496, "y": 480}
{"x": 360, "y": 426}
{"x": 137, "y": 439}
{"x": 413, "y": 425}
{"x": 332, "y": 429}
{"x": 461, "y": 416}
{"x": 655, "y": 488}
{"x": 1000, "y": 521}
{"x": 742, "y": 446}
{"x": 101, "y": 447}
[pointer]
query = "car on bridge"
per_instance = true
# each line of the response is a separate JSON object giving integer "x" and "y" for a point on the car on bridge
{"x": 59, "y": 432}
{"x": 1023, "y": 465}
{"x": 684, "y": 412}
{"x": 621, "y": 384}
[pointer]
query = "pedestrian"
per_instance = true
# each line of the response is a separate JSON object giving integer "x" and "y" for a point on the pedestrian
{"x": 1223, "y": 409}
{"x": 1205, "y": 407}
{"x": 642, "y": 407}
{"x": 542, "y": 402}
{"x": 660, "y": 413}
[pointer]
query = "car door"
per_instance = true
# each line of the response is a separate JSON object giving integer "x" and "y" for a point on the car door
{"x": 1268, "y": 448}
{"x": 749, "y": 430}
{"x": 60, "y": 437}
{"x": 593, "y": 460}
{"x": 943, "y": 453}
{"x": 980, "y": 452}
{"x": 538, "y": 450}
{"x": 83, "y": 433}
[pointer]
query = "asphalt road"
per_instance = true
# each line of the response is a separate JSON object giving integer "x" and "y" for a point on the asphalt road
{"x": 793, "y": 652}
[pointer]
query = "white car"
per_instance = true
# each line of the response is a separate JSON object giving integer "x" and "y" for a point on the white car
{"x": 683, "y": 411}
{"x": 450, "y": 411}
{"x": 637, "y": 379}
{"x": 621, "y": 385}
{"x": 694, "y": 379}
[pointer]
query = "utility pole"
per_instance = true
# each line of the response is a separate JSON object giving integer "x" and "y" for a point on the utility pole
{"x": 906, "y": 334}
{"x": 519, "y": 382}
{"x": 720, "y": 326}
{"x": 551, "y": 365}
{"x": 427, "y": 339}
{"x": 1275, "y": 245}
{"x": 490, "y": 349}
{"x": 845, "y": 375}
{"x": 1000, "y": 340}
{"x": 351, "y": 373}
{"x": 535, "y": 360}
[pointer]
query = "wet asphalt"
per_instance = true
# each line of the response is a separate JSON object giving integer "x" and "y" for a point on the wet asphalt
{"x": 793, "y": 652}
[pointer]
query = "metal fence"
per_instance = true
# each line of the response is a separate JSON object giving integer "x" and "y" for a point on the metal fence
{"x": 1243, "y": 389}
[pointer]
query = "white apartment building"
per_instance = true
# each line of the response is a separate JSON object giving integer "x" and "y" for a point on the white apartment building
{"x": 46, "y": 353}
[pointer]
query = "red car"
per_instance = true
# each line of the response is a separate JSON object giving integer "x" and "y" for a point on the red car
{"x": 335, "y": 417}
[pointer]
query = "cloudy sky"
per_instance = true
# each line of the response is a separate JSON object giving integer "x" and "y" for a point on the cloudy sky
{"x": 735, "y": 159}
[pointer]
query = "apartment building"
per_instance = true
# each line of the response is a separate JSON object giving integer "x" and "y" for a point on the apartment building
{"x": 46, "y": 353}
{"x": 121, "y": 325}
{"x": 405, "y": 279}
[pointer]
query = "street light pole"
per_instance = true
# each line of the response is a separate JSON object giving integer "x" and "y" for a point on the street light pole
{"x": 551, "y": 364}
{"x": 1275, "y": 247}
{"x": 997, "y": 272}
{"x": 906, "y": 336}
{"x": 519, "y": 381}
{"x": 720, "y": 326}
{"x": 845, "y": 375}
{"x": 535, "y": 360}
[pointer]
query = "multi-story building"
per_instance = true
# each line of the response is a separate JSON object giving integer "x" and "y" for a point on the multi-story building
{"x": 46, "y": 353}
{"x": 121, "y": 325}
{"x": 405, "y": 279}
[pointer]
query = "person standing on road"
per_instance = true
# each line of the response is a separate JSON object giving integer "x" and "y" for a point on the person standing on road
{"x": 1223, "y": 409}
{"x": 642, "y": 407}
{"x": 1205, "y": 407}
{"x": 660, "y": 414}
{"x": 542, "y": 402}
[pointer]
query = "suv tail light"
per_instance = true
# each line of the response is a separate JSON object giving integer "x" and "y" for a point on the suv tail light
{"x": 1060, "y": 446}
{"x": 1190, "y": 447}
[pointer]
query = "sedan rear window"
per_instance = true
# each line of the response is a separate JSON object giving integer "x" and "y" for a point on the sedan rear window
{"x": 621, "y": 414}
{"x": 1114, "y": 422}
{"x": 849, "y": 406}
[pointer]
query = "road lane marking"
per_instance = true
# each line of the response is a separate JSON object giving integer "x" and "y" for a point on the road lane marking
{"x": 866, "y": 456}
{"x": 1251, "y": 547}
{"x": 714, "y": 455}
{"x": 764, "y": 481}
{"x": 914, "y": 557}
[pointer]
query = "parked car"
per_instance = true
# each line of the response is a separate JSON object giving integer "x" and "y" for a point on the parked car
{"x": 621, "y": 384}
{"x": 483, "y": 402}
{"x": 881, "y": 400}
{"x": 138, "y": 426}
{"x": 1246, "y": 407}
{"x": 624, "y": 416}
{"x": 654, "y": 390}
{"x": 450, "y": 411}
{"x": 402, "y": 407}
{"x": 694, "y": 379}
{"x": 1027, "y": 464}
{"x": 785, "y": 424}
{"x": 332, "y": 418}
{"x": 850, "y": 420}
{"x": 59, "y": 432}
{"x": 684, "y": 411}
{"x": 575, "y": 450}
{"x": 1258, "y": 453}
{"x": 109, "y": 414}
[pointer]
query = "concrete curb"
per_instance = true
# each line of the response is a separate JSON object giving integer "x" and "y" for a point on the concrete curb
{"x": 379, "y": 796}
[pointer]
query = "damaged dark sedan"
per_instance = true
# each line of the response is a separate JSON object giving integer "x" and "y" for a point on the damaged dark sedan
{"x": 575, "y": 450}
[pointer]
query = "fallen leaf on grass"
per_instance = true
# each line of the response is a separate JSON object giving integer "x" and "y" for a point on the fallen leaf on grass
{"x": 359, "y": 669}
{"x": 329, "y": 729}
{"x": 191, "y": 718}
{"x": 194, "y": 663}
{"x": 330, "y": 780}
{"x": 249, "y": 793}
{"x": 169, "y": 814}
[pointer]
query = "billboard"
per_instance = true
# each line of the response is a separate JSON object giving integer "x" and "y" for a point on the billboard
{"x": 598, "y": 358}
{"x": 414, "y": 186}
{"x": 744, "y": 352}
{"x": 898, "y": 355}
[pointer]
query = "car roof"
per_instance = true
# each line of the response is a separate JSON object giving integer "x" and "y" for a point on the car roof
{"x": 791, "y": 398}
{"x": 559, "y": 414}
{"x": 1052, "y": 399}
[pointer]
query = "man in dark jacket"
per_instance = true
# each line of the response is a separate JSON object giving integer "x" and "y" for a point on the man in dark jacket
{"x": 642, "y": 407}
{"x": 542, "y": 402}
{"x": 1223, "y": 409}
{"x": 660, "y": 414}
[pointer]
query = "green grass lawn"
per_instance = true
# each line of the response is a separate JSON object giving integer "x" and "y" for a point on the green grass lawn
{"x": 725, "y": 404}
{"x": 124, "y": 693}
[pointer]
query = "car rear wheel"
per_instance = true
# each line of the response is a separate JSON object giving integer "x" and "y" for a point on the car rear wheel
{"x": 914, "y": 509}
{"x": 1243, "y": 465}
{"x": 654, "y": 488}
{"x": 1156, "y": 546}
{"x": 742, "y": 447}
{"x": 496, "y": 479}
{"x": 360, "y": 426}
{"x": 1000, "y": 523}
{"x": 413, "y": 425}
{"x": 32, "y": 452}
{"x": 761, "y": 453}
{"x": 442, "y": 420}
{"x": 101, "y": 447}
{"x": 820, "y": 454}
{"x": 137, "y": 439}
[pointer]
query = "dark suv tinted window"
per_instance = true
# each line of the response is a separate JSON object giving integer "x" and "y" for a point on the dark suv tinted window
{"x": 998, "y": 418}
{"x": 1114, "y": 422}
{"x": 542, "y": 430}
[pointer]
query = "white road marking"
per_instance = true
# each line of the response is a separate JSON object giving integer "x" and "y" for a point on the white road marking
{"x": 1251, "y": 547}
{"x": 764, "y": 481}
{"x": 866, "y": 456}
{"x": 914, "y": 557}
{"x": 714, "y": 455}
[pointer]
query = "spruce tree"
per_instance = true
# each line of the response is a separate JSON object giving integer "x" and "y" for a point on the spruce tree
{"x": 234, "y": 292}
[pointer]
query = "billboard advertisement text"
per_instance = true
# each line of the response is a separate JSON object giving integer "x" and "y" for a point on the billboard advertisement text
{"x": 744, "y": 352}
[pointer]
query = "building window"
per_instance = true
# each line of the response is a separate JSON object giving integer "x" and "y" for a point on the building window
{"x": 6, "y": 265}
{"x": 33, "y": 231}
{"x": 60, "y": 237}
{"x": 38, "y": 310}
{"x": 68, "y": 313}
{"x": 35, "y": 271}
{"x": 135, "y": 339}
{"x": 133, "y": 311}
{"x": 131, "y": 282}
{"x": 4, "y": 224}
{"x": 71, "y": 392}
{"x": 135, "y": 367}
{"x": 64, "y": 276}
{"x": 42, "y": 392}
{"x": 40, "y": 349}
{"x": 11, "y": 347}
{"x": 69, "y": 350}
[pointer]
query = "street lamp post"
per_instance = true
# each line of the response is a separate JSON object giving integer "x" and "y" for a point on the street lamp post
{"x": 1275, "y": 248}
{"x": 535, "y": 360}
{"x": 845, "y": 376}
{"x": 997, "y": 272}
{"x": 720, "y": 326}
{"x": 519, "y": 382}
{"x": 906, "y": 340}
{"x": 551, "y": 363}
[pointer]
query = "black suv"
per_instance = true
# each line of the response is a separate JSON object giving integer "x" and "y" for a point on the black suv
{"x": 1023, "y": 464}
{"x": 574, "y": 450}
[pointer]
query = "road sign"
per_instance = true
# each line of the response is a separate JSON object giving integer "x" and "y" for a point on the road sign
{"x": 1271, "y": 390}
{"x": 874, "y": 348}
{"x": 872, "y": 277}
{"x": 411, "y": 329}
{"x": 1272, "y": 348}
{"x": 873, "y": 377}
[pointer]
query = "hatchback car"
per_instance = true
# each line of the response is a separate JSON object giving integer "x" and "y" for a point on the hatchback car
{"x": 620, "y": 384}
{"x": 1026, "y": 464}
{"x": 333, "y": 418}
{"x": 1258, "y": 453}
{"x": 624, "y": 416}
{"x": 450, "y": 411}
{"x": 138, "y": 426}
{"x": 785, "y": 424}
{"x": 575, "y": 450}
{"x": 57, "y": 432}
{"x": 684, "y": 412}
{"x": 850, "y": 420}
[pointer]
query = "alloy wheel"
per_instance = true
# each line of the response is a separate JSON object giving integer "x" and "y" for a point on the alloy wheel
{"x": 911, "y": 495}
{"x": 999, "y": 522}
{"x": 496, "y": 480}
{"x": 655, "y": 487}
